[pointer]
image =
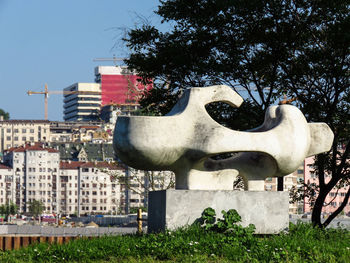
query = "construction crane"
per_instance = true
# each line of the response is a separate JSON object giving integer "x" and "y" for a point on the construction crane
{"x": 114, "y": 59}
{"x": 46, "y": 93}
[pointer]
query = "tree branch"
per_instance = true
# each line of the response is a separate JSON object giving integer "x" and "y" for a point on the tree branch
{"x": 339, "y": 209}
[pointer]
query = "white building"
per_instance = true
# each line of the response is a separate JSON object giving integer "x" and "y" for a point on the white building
{"x": 7, "y": 191}
{"x": 35, "y": 172}
{"x": 82, "y": 102}
{"x": 87, "y": 188}
{"x": 34, "y": 175}
{"x": 14, "y": 133}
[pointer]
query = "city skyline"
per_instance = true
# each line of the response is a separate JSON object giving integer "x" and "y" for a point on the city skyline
{"x": 56, "y": 43}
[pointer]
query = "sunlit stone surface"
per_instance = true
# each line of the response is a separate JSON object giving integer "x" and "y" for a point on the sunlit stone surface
{"x": 184, "y": 140}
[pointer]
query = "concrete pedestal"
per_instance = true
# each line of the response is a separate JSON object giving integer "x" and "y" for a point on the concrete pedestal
{"x": 170, "y": 209}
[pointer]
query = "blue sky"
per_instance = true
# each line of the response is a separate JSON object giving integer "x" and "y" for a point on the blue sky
{"x": 55, "y": 42}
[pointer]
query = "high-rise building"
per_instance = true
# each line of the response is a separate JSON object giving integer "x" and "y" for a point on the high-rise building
{"x": 84, "y": 103}
{"x": 115, "y": 86}
{"x": 119, "y": 85}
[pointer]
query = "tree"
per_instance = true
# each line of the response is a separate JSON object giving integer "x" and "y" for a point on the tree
{"x": 142, "y": 182}
{"x": 36, "y": 207}
{"x": 262, "y": 49}
{"x": 8, "y": 209}
{"x": 5, "y": 114}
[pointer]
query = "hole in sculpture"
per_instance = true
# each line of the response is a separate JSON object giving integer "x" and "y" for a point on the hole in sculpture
{"x": 236, "y": 118}
{"x": 222, "y": 156}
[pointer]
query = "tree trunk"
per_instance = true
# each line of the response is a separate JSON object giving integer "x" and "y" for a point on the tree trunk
{"x": 317, "y": 210}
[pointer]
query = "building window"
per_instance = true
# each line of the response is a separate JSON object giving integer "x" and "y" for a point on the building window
{"x": 31, "y": 131}
{"x": 8, "y": 138}
{"x": 31, "y": 139}
{"x": 24, "y": 138}
{"x": 268, "y": 187}
{"x": 24, "y": 130}
{"x": 15, "y": 138}
{"x": 15, "y": 130}
{"x": 8, "y": 130}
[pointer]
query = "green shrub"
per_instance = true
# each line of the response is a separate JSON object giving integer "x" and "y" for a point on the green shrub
{"x": 303, "y": 243}
{"x": 227, "y": 224}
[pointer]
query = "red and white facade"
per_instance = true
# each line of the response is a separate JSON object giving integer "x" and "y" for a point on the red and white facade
{"x": 114, "y": 85}
{"x": 118, "y": 85}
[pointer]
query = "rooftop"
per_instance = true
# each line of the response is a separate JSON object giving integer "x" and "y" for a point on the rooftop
{"x": 77, "y": 164}
{"x": 32, "y": 147}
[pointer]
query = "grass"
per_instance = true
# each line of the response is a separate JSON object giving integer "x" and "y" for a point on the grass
{"x": 303, "y": 243}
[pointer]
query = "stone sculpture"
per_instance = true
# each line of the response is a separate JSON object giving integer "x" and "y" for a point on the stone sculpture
{"x": 184, "y": 140}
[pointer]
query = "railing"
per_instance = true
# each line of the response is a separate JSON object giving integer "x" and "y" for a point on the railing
{"x": 17, "y": 242}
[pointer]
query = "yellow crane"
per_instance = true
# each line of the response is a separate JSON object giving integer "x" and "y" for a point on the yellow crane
{"x": 46, "y": 93}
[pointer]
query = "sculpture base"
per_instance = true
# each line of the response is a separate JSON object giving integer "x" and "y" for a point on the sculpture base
{"x": 170, "y": 209}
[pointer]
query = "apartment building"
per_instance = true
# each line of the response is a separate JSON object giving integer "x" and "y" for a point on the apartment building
{"x": 138, "y": 183}
{"x": 65, "y": 131}
{"x": 34, "y": 175}
{"x": 291, "y": 180}
{"x": 35, "y": 172}
{"x": 7, "y": 191}
{"x": 14, "y": 133}
{"x": 87, "y": 188}
{"x": 334, "y": 198}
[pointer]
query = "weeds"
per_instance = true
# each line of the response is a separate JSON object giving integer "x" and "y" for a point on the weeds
{"x": 223, "y": 241}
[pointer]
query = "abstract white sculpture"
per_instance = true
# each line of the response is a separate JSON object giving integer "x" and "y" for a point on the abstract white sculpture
{"x": 184, "y": 140}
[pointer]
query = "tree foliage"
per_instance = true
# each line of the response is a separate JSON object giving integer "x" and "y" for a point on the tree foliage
{"x": 142, "y": 182}
{"x": 36, "y": 207}
{"x": 262, "y": 49}
{"x": 5, "y": 114}
{"x": 8, "y": 209}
